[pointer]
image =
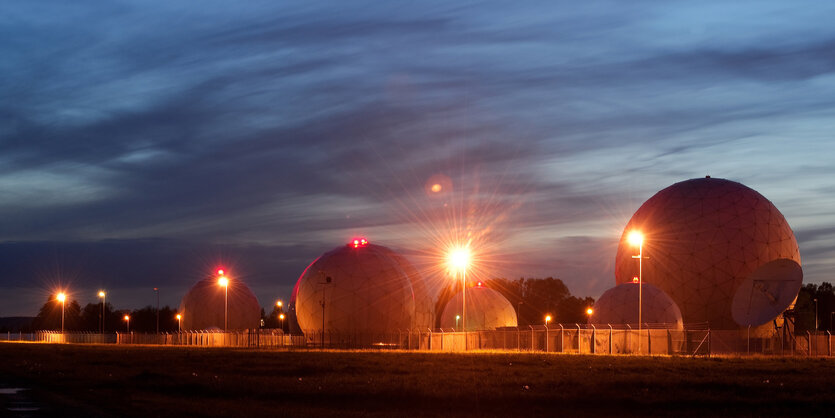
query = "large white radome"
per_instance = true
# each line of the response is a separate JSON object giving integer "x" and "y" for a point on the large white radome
{"x": 722, "y": 251}
{"x": 366, "y": 291}
{"x": 203, "y": 306}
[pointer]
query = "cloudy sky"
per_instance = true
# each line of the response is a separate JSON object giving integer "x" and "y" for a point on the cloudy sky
{"x": 143, "y": 144}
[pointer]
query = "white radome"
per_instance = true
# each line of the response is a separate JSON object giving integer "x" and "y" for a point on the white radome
{"x": 719, "y": 249}
{"x": 487, "y": 309}
{"x": 203, "y": 306}
{"x": 619, "y": 306}
{"x": 366, "y": 294}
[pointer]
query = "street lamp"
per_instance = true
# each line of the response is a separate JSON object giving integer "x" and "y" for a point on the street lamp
{"x": 547, "y": 320}
{"x": 459, "y": 259}
{"x": 61, "y": 298}
{"x": 279, "y": 304}
{"x": 223, "y": 281}
{"x": 127, "y": 320}
{"x": 102, "y": 296}
{"x": 156, "y": 290}
{"x": 457, "y": 318}
{"x": 179, "y": 322}
{"x": 635, "y": 238}
{"x": 816, "y": 314}
{"x": 281, "y": 321}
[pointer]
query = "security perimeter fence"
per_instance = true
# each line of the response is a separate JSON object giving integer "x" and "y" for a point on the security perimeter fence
{"x": 576, "y": 338}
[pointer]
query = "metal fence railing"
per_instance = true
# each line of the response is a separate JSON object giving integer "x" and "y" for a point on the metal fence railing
{"x": 558, "y": 338}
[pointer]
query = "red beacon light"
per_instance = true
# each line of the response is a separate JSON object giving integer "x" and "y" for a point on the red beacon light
{"x": 359, "y": 242}
{"x": 635, "y": 279}
{"x": 479, "y": 284}
{"x": 220, "y": 272}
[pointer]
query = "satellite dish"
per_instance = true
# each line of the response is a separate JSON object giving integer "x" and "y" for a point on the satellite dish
{"x": 767, "y": 292}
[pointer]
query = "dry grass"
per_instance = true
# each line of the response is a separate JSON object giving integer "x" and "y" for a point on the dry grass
{"x": 169, "y": 381}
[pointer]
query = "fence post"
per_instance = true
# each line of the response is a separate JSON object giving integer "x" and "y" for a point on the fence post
{"x": 649, "y": 339}
{"x": 546, "y": 338}
{"x": 562, "y": 339}
{"x": 531, "y": 327}
{"x": 749, "y": 339}
{"x": 708, "y": 343}
{"x": 593, "y": 338}
{"x": 611, "y": 336}
{"x": 579, "y": 351}
{"x": 808, "y": 344}
{"x": 629, "y": 339}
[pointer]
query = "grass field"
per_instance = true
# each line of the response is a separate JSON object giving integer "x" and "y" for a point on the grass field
{"x": 86, "y": 380}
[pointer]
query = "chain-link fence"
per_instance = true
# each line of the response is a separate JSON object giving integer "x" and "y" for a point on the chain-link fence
{"x": 558, "y": 338}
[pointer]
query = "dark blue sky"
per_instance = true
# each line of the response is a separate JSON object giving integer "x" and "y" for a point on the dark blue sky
{"x": 144, "y": 143}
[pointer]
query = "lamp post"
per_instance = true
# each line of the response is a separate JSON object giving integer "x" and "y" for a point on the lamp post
{"x": 281, "y": 321}
{"x": 635, "y": 238}
{"x": 830, "y": 321}
{"x": 457, "y": 317}
{"x": 127, "y": 320}
{"x": 102, "y": 296}
{"x": 589, "y": 312}
{"x": 224, "y": 282}
{"x": 61, "y": 298}
{"x": 179, "y": 322}
{"x": 547, "y": 320}
{"x": 816, "y": 314}
{"x": 156, "y": 290}
{"x": 459, "y": 259}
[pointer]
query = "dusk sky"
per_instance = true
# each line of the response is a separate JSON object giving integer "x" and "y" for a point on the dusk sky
{"x": 143, "y": 144}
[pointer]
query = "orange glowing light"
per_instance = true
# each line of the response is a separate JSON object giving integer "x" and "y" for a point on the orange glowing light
{"x": 101, "y": 293}
{"x": 127, "y": 317}
{"x": 223, "y": 281}
{"x": 436, "y": 188}
{"x": 279, "y": 303}
{"x": 220, "y": 272}
{"x": 635, "y": 238}
{"x": 547, "y": 319}
{"x": 179, "y": 317}
{"x": 589, "y": 311}
{"x": 478, "y": 284}
{"x": 281, "y": 316}
{"x": 61, "y": 297}
{"x": 459, "y": 258}
{"x": 635, "y": 279}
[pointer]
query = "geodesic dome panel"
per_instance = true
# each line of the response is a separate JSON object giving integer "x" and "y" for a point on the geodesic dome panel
{"x": 365, "y": 292}
{"x": 203, "y": 306}
{"x": 486, "y": 309}
{"x": 424, "y": 307}
{"x": 719, "y": 249}
{"x": 619, "y": 306}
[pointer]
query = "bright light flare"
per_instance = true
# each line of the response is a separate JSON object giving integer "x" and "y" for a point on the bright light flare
{"x": 547, "y": 319}
{"x": 279, "y": 303}
{"x": 281, "y": 316}
{"x": 179, "y": 317}
{"x": 635, "y": 238}
{"x": 220, "y": 272}
{"x": 101, "y": 293}
{"x": 359, "y": 242}
{"x": 223, "y": 281}
{"x": 436, "y": 188}
{"x": 61, "y": 297}
{"x": 127, "y": 318}
{"x": 459, "y": 259}
{"x": 589, "y": 311}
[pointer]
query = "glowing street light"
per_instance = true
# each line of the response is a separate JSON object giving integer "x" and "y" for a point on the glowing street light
{"x": 179, "y": 322}
{"x": 127, "y": 320}
{"x": 636, "y": 238}
{"x": 223, "y": 281}
{"x": 457, "y": 318}
{"x": 459, "y": 260}
{"x": 102, "y": 296}
{"x": 279, "y": 304}
{"x": 589, "y": 311}
{"x": 547, "y": 320}
{"x": 61, "y": 297}
{"x": 281, "y": 321}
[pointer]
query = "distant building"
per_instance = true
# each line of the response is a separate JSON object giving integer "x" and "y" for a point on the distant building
{"x": 486, "y": 309}
{"x": 204, "y": 304}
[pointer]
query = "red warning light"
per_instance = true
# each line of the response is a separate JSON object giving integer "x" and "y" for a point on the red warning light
{"x": 635, "y": 279}
{"x": 479, "y": 284}
{"x": 359, "y": 242}
{"x": 220, "y": 272}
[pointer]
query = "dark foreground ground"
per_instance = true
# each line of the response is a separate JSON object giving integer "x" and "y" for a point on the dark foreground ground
{"x": 85, "y": 380}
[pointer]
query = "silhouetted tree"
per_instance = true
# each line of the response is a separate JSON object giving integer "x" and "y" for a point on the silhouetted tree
{"x": 804, "y": 309}
{"x": 49, "y": 316}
